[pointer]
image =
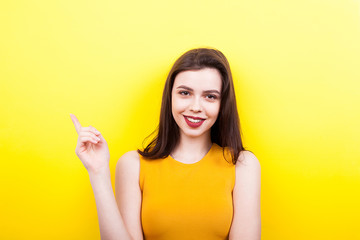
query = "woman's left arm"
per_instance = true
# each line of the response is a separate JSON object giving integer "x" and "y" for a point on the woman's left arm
{"x": 246, "y": 224}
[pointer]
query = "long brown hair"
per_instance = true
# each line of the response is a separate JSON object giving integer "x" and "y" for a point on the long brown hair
{"x": 226, "y": 130}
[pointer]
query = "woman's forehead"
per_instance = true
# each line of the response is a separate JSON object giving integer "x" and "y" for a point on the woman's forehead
{"x": 199, "y": 79}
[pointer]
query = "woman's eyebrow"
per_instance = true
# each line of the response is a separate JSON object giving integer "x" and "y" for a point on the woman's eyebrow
{"x": 185, "y": 87}
{"x": 212, "y": 91}
{"x": 206, "y": 91}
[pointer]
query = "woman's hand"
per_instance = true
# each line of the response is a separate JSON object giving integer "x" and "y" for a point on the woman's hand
{"x": 91, "y": 147}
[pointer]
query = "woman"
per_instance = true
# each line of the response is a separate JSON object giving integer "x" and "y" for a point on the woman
{"x": 194, "y": 180}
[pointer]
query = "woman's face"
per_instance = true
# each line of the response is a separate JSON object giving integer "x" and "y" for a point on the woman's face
{"x": 196, "y": 101}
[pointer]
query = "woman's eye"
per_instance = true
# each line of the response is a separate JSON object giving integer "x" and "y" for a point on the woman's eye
{"x": 213, "y": 97}
{"x": 185, "y": 93}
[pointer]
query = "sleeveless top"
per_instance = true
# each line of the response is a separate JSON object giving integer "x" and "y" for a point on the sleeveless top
{"x": 187, "y": 201}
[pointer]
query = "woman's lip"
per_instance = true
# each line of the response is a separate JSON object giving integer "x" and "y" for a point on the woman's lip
{"x": 194, "y": 124}
{"x": 196, "y": 118}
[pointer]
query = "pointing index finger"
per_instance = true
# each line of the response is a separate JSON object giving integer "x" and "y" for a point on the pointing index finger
{"x": 76, "y": 123}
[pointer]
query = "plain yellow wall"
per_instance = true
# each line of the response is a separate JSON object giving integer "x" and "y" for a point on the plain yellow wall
{"x": 297, "y": 78}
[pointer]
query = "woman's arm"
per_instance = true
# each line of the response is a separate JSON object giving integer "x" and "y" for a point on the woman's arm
{"x": 93, "y": 151}
{"x": 246, "y": 223}
{"x": 128, "y": 193}
{"x": 110, "y": 221}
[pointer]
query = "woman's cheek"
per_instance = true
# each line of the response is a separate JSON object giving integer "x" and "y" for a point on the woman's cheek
{"x": 214, "y": 108}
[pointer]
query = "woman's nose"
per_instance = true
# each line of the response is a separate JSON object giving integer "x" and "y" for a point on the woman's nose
{"x": 196, "y": 105}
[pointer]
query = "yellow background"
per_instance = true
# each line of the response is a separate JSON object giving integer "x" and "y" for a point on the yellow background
{"x": 297, "y": 78}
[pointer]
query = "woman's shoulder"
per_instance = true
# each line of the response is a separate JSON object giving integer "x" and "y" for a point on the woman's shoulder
{"x": 247, "y": 159}
{"x": 131, "y": 155}
{"x": 129, "y": 160}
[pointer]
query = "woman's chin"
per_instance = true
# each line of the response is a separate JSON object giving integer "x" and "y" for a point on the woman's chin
{"x": 195, "y": 133}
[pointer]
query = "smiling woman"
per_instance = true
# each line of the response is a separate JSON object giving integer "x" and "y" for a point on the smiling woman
{"x": 194, "y": 108}
{"x": 194, "y": 180}
{"x": 205, "y": 66}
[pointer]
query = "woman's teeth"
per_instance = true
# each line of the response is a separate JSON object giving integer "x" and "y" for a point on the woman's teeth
{"x": 194, "y": 120}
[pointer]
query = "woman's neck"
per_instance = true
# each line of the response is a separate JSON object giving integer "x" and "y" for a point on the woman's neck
{"x": 190, "y": 150}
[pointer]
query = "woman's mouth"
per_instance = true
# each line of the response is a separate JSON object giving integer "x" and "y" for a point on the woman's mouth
{"x": 194, "y": 122}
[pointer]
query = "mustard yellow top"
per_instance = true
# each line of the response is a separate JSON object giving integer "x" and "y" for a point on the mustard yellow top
{"x": 187, "y": 201}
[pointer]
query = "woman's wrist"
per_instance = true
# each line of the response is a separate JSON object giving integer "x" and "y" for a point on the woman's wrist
{"x": 100, "y": 180}
{"x": 99, "y": 173}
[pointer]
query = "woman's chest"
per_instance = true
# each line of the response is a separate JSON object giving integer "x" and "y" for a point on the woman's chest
{"x": 187, "y": 203}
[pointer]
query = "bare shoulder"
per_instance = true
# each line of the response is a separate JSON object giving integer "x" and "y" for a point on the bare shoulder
{"x": 247, "y": 160}
{"x": 127, "y": 174}
{"x": 128, "y": 193}
{"x": 129, "y": 161}
{"x": 246, "y": 196}
{"x": 130, "y": 157}
{"x": 248, "y": 165}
